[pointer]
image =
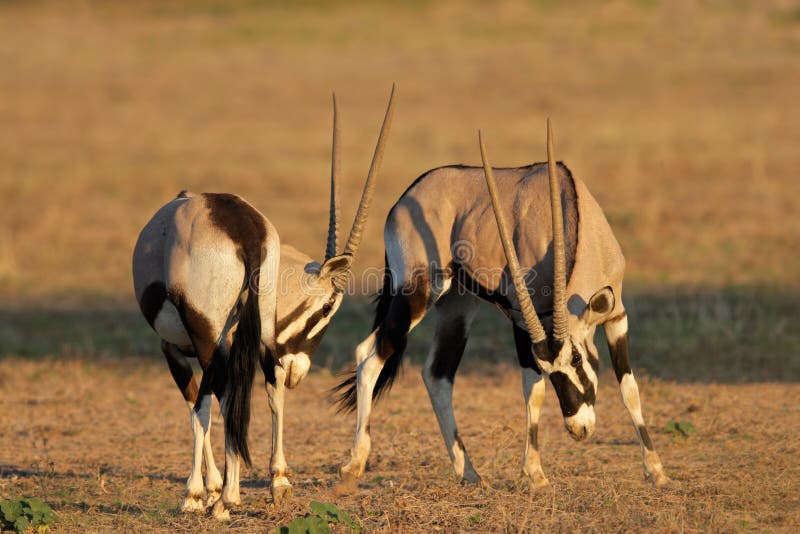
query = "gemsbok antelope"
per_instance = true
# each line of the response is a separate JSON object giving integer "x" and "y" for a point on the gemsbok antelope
{"x": 442, "y": 251}
{"x": 214, "y": 281}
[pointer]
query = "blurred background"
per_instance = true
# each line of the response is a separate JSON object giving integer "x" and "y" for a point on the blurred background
{"x": 681, "y": 117}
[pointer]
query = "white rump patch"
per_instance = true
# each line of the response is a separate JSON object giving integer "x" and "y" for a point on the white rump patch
{"x": 169, "y": 326}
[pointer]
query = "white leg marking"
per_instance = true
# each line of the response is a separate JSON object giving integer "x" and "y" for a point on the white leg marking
{"x": 369, "y": 367}
{"x": 280, "y": 486}
{"x": 230, "y": 489}
{"x": 615, "y": 329}
{"x": 533, "y": 388}
{"x": 193, "y": 502}
{"x": 213, "y": 479}
{"x": 653, "y": 469}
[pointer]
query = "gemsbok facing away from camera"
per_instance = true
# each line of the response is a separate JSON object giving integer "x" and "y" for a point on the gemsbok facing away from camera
{"x": 214, "y": 282}
{"x": 442, "y": 251}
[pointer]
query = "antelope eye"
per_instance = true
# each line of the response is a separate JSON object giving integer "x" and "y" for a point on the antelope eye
{"x": 326, "y": 309}
{"x": 576, "y": 358}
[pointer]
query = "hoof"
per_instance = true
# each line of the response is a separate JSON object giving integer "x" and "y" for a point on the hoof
{"x": 192, "y": 504}
{"x": 281, "y": 494}
{"x": 660, "y": 480}
{"x": 472, "y": 479}
{"x": 220, "y": 512}
{"x": 212, "y": 496}
{"x": 348, "y": 483}
{"x": 538, "y": 481}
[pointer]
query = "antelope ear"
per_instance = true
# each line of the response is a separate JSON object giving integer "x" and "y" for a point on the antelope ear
{"x": 600, "y": 305}
{"x": 336, "y": 265}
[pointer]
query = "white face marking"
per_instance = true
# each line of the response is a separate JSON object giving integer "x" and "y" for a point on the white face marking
{"x": 296, "y": 367}
{"x": 169, "y": 326}
{"x": 581, "y": 425}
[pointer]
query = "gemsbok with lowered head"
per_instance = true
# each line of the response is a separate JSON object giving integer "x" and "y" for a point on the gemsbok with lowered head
{"x": 443, "y": 251}
{"x": 214, "y": 281}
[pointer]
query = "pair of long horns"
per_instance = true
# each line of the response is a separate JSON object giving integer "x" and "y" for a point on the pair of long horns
{"x": 354, "y": 239}
{"x": 560, "y": 313}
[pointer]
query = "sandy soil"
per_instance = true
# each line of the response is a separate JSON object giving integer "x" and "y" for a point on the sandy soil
{"x": 107, "y": 444}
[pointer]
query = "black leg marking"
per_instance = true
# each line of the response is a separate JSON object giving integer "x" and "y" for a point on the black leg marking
{"x": 460, "y": 443}
{"x": 181, "y": 371}
{"x": 533, "y": 436}
{"x": 619, "y": 351}
{"x": 645, "y": 438}
{"x": 451, "y": 339}
{"x": 522, "y": 341}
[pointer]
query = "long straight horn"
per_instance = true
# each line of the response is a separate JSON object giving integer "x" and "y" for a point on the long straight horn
{"x": 535, "y": 328}
{"x": 369, "y": 186}
{"x": 560, "y": 317}
{"x": 336, "y": 173}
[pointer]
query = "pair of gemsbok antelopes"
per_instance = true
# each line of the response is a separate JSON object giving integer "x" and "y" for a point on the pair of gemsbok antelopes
{"x": 214, "y": 281}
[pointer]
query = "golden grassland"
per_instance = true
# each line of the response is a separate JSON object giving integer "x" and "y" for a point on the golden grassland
{"x": 682, "y": 118}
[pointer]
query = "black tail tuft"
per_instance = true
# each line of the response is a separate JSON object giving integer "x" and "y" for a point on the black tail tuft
{"x": 242, "y": 363}
{"x": 345, "y": 394}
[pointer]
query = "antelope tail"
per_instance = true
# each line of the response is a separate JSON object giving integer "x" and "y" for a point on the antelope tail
{"x": 242, "y": 363}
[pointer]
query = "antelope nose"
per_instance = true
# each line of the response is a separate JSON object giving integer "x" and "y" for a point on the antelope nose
{"x": 581, "y": 425}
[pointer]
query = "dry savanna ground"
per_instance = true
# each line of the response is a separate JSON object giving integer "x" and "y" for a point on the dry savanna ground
{"x": 108, "y": 445}
{"x": 681, "y": 116}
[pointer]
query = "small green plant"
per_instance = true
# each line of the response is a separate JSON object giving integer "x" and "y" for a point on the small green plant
{"x": 24, "y": 514}
{"x": 319, "y": 521}
{"x": 679, "y": 428}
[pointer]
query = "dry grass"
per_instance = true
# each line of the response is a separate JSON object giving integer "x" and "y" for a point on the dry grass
{"x": 680, "y": 116}
{"x": 108, "y": 445}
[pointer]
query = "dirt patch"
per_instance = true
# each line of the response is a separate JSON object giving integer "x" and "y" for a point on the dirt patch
{"x": 107, "y": 444}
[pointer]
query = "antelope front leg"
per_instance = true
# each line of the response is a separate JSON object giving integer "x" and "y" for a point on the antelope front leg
{"x": 280, "y": 486}
{"x": 533, "y": 390}
{"x": 617, "y": 335}
{"x": 369, "y": 367}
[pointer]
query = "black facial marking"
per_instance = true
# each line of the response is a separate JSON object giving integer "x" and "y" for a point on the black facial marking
{"x": 291, "y": 317}
{"x": 577, "y": 359}
{"x": 451, "y": 338}
{"x": 153, "y": 298}
{"x": 645, "y": 438}
{"x": 300, "y": 341}
{"x": 593, "y": 359}
{"x": 568, "y": 395}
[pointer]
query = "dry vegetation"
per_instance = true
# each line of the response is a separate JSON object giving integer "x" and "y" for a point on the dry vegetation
{"x": 681, "y": 116}
{"x": 86, "y": 438}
